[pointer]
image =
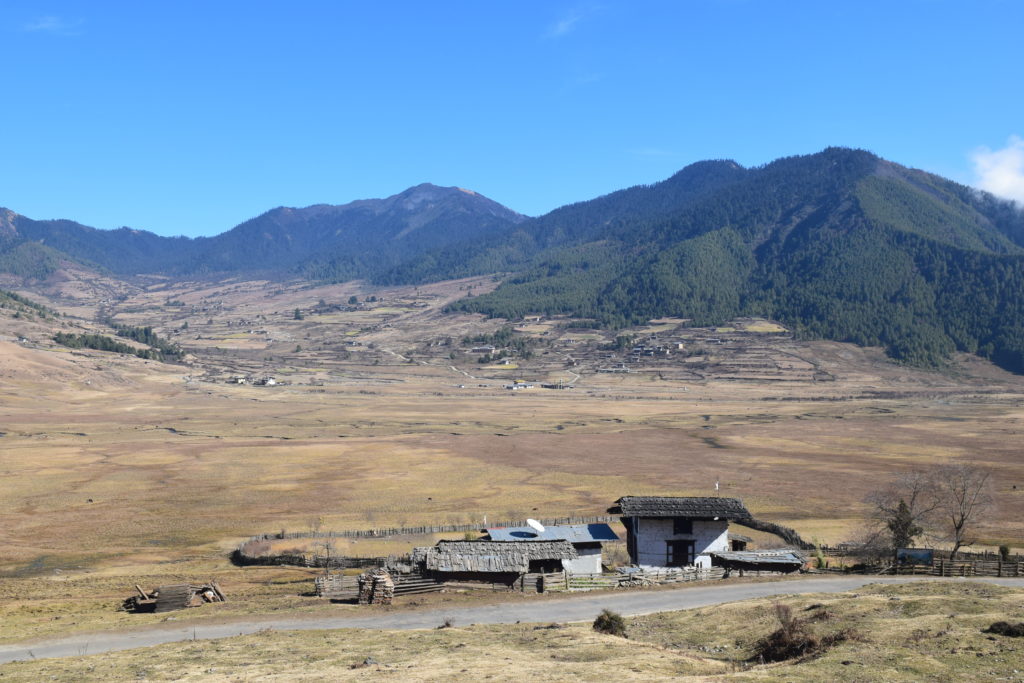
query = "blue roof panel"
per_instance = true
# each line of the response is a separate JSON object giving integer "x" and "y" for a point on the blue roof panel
{"x": 574, "y": 533}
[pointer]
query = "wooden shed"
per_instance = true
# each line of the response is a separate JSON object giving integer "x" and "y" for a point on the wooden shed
{"x": 492, "y": 561}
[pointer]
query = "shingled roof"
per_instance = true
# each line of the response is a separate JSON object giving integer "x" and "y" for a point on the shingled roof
{"x": 491, "y": 556}
{"x": 687, "y": 508}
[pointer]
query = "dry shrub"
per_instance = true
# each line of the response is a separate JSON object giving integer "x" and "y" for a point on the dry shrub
{"x": 794, "y": 638}
{"x": 791, "y": 640}
{"x": 611, "y": 623}
{"x": 1005, "y": 628}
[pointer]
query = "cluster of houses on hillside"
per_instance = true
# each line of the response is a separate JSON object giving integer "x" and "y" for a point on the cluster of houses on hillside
{"x": 661, "y": 532}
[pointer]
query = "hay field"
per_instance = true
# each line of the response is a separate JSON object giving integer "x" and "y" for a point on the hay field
{"x": 113, "y": 464}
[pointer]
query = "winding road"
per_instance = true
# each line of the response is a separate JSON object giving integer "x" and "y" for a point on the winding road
{"x": 575, "y": 608}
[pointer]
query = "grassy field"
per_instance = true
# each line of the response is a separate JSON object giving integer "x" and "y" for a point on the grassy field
{"x": 927, "y": 631}
{"x": 115, "y": 467}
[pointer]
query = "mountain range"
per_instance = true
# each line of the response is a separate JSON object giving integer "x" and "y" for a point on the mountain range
{"x": 347, "y": 241}
{"x": 840, "y": 245}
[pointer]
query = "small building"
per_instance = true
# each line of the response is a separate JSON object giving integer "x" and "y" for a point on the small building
{"x": 492, "y": 561}
{"x": 785, "y": 560}
{"x": 677, "y": 532}
{"x": 482, "y": 349}
{"x": 587, "y": 539}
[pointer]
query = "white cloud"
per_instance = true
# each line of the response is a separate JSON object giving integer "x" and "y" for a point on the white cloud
{"x": 564, "y": 25}
{"x": 1001, "y": 171}
{"x": 53, "y": 24}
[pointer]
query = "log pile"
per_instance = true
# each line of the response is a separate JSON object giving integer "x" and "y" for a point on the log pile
{"x": 376, "y": 588}
{"x": 173, "y": 597}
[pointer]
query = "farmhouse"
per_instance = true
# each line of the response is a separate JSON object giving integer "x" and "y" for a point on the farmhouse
{"x": 492, "y": 561}
{"x": 587, "y": 539}
{"x": 677, "y": 532}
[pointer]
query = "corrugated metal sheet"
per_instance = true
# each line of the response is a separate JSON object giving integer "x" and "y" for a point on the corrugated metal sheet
{"x": 574, "y": 533}
{"x": 761, "y": 557}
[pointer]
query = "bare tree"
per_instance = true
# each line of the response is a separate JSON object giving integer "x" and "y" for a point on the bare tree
{"x": 946, "y": 500}
{"x": 904, "y": 507}
{"x": 963, "y": 494}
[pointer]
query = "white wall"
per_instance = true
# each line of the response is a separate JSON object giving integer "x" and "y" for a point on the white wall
{"x": 588, "y": 562}
{"x": 653, "y": 533}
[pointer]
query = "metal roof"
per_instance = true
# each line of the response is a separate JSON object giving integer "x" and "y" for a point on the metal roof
{"x": 765, "y": 557}
{"x": 687, "y": 508}
{"x": 574, "y": 533}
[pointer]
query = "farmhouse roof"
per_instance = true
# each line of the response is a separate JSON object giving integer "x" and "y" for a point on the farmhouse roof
{"x": 492, "y": 556}
{"x": 688, "y": 508}
{"x": 574, "y": 533}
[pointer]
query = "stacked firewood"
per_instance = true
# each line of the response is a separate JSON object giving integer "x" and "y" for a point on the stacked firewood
{"x": 376, "y": 588}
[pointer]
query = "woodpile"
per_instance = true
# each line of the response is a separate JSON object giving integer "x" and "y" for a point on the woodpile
{"x": 376, "y": 588}
{"x": 342, "y": 587}
{"x": 173, "y": 597}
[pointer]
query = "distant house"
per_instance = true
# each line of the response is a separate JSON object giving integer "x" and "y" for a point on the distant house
{"x": 482, "y": 349}
{"x": 677, "y": 532}
{"x": 587, "y": 539}
{"x": 492, "y": 561}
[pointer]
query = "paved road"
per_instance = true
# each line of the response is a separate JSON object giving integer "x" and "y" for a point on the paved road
{"x": 575, "y": 608}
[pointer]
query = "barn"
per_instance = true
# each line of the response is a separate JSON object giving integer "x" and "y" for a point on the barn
{"x": 587, "y": 539}
{"x": 492, "y": 561}
{"x": 666, "y": 531}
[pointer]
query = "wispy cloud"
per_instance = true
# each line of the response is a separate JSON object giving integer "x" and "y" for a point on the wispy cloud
{"x": 1001, "y": 171}
{"x": 53, "y": 24}
{"x": 566, "y": 24}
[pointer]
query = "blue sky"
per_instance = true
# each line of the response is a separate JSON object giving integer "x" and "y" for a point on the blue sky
{"x": 188, "y": 118}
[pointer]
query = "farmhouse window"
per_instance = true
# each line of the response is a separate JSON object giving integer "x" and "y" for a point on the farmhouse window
{"x": 682, "y": 526}
{"x": 680, "y": 553}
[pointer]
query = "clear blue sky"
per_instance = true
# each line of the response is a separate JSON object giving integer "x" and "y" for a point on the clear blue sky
{"x": 189, "y": 117}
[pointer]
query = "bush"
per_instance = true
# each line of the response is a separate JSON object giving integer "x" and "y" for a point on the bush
{"x": 611, "y": 623}
{"x": 794, "y": 637}
{"x": 1004, "y": 553}
{"x": 1004, "y": 628}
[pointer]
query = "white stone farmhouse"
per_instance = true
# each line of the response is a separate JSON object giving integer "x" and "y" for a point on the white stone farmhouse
{"x": 677, "y": 532}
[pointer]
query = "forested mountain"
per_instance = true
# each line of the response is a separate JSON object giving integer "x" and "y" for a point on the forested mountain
{"x": 840, "y": 245}
{"x": 321, "y": 241}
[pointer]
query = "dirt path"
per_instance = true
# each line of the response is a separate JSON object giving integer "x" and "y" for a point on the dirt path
{"x": 575, "y": 608}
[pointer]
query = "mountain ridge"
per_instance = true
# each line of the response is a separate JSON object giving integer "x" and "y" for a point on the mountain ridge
{"x": 840, "y": 244}
{"x": 285, "y": 240}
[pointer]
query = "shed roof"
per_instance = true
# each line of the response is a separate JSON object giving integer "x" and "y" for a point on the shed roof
{"x": 761, "y": 557}
{"x": 574, "y": 533}
{"x": 492, "y": 556}
{"x": 691, "y": 508}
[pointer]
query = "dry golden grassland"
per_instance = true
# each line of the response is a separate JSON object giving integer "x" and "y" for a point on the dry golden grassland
{"x": 925, "y": 631}
{"x": 117, "y": 467}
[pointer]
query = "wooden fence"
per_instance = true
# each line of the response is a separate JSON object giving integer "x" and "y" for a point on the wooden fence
{"x": 422, "y": 530}
{"x": 649, "y": 577}
{"x": 346, "y": 587}
{"x": 943, "y": 567}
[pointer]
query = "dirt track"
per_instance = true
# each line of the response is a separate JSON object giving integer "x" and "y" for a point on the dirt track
{"x": 576, "y": 608}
